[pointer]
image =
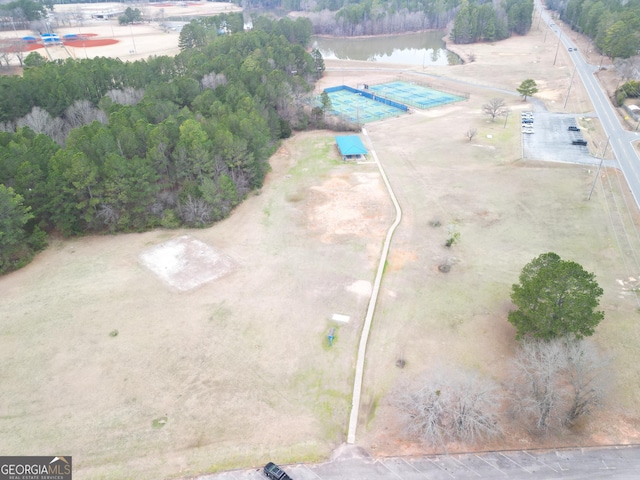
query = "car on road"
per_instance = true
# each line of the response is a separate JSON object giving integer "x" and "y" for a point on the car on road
{"x": 579, "y": 142}
{"x": 573, "y": 128}
{"x": 274, "y": 472}
{"x": 571, "y": 49}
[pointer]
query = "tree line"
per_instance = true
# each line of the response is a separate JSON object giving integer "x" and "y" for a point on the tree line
{"x": 479, "y": 21}
{"x": 100, "y": 145}
{"x": 611, "y": 24}
{"x": 366, "y": 17}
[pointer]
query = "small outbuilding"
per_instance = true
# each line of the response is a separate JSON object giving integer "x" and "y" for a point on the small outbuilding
{"x": 351, "y": 147}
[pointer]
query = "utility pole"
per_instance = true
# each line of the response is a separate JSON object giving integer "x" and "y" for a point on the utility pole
{"x": 506, "y": 116}
{"x": 598, "y": 171}
{"x": 135, "y": 50}
{"x": 569, "y": 90}
{"x": 558, "y": 47}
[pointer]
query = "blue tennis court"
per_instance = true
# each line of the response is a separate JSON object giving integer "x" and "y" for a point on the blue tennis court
{"x": 415, "y": 95}
{"x": 360, "y": 107}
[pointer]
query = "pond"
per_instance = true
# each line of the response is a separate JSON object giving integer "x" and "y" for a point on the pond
{"x": 424, "y": 48}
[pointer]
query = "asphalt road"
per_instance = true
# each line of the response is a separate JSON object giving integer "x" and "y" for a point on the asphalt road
{"x": 620, "y": 463}
{"x": 620, "y": 140}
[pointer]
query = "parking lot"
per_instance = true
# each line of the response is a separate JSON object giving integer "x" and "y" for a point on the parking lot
{"x": 586, "y": 463}
{"x": 551, "y": 140}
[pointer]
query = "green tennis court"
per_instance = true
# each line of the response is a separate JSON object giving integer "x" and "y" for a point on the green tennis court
{"x": 415, "y": 95}
{"x": 358, "y": 107}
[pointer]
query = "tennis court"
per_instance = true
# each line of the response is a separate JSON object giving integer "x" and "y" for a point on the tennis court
{"x": 415, "y": 95}
{"x": 359, "y": 106}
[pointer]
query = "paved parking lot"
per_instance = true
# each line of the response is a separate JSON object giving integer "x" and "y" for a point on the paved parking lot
{"x": 621, "y": 463}
{"x": 552, "y": 140}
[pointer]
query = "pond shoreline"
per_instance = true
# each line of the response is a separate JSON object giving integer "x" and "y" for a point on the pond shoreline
{"x": 411, "y": 48}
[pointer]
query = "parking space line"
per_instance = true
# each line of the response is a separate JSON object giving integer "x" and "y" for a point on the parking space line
{"x": 539, "y": 461}
{"x": 442, "y": 468}
{"x": 606, "y": 467}
{"x": 463, "y": 465}
{"x": 381, "y": 462}
{"x": 414, "y": 467}
{"x": 492, "y": 465}
{"x": 513, "y": 461}
{"x": 312, "y": 472}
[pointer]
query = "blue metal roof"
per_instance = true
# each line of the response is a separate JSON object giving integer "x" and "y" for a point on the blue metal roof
{"x": 351, "y": 145}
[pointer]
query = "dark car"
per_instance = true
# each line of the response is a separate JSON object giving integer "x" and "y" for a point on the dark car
{"x": 579, "y": 142}
{"x": 573, "y": 128}
{"x": 527, "y": 120}
{"x": 274, "y": 472}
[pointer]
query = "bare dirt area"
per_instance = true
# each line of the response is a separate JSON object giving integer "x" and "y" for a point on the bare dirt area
{"x": 138, "y": 376}
{"x": 157, "y": 35}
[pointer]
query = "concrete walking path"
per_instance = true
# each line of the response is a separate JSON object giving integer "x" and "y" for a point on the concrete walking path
{"x": 364, "y": 337}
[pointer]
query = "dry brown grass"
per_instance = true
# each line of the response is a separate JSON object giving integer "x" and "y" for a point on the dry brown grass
{"x": 239, "y": 367}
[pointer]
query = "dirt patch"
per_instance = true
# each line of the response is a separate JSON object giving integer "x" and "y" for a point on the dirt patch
{"x": 90, "y": 43}
{"x": 186, "y": 263}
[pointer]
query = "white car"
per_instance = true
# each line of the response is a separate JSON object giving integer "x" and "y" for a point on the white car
{"x": 527, "y": 130}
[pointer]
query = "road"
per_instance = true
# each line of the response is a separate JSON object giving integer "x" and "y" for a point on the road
{"x": 619, "y": 463}
{"x": 620, "y": 140}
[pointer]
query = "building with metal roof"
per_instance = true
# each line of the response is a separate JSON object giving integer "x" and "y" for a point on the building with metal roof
{"x": 351, "y": 147}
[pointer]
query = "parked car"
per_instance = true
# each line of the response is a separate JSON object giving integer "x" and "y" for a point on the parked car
{"x": 274, "y": 472}
{"x": 527, "y": 121}
{"x": 579, "y": 142}
{"x": 573, "y": 128}
{"x": 528, "y": 130}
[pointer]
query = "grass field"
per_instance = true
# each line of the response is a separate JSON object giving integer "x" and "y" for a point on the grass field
{"x": 104, "y": 361}
{"x": 232, "y": 373}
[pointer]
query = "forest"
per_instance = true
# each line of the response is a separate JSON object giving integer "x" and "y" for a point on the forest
{"x": 100, "y": 145}
{"x": 480, "y": 21}
{"x": 614, "y": 25}
{"x": 474, "y": 20}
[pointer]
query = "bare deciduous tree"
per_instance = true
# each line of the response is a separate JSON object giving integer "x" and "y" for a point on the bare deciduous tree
{"x": 471, "y": 133}
{"x": 109, "y": 215}
{"x": 213, "y": 80}
{"x": 195, "y": 211}
{"x": 556, "y": 382}
{"x": 82, "y": 113}
{"x": 627, "y": 67}
{"x": 7, "y": 126}
{"x": 537, "y": 368}
{"x": 126, "y": 96}
{"x": 450, "y": 406}
{"x": 495, "y": 108}
{"x": 40, "y": 121}
{"x": 586, "y": 372}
